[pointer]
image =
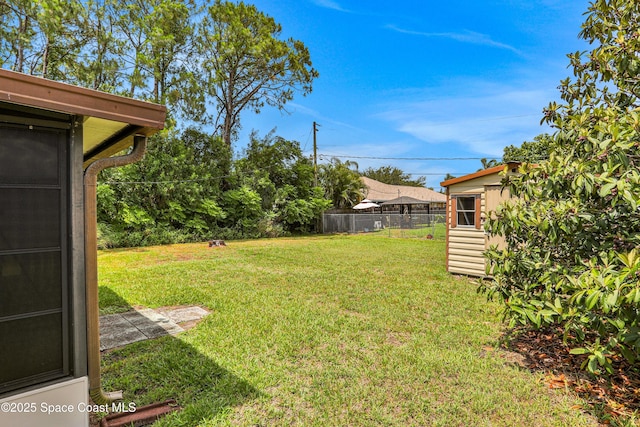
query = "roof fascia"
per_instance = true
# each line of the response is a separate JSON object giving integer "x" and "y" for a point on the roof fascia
{"x": 46, "y": 94}
{"x": 479, "y": 174}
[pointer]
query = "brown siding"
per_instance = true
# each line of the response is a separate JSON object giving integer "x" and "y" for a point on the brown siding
{"x": 478, "y": 213}
{"x": 447, "y": 222}
{"x": 454, "y": 213}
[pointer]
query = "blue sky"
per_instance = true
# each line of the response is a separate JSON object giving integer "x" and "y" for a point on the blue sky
{"x": 416, "y": 79}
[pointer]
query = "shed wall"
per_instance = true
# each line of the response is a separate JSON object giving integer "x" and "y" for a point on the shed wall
{"x": 467, "y": 244}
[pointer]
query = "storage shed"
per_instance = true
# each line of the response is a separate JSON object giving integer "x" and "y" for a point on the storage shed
{"x": 470, "y": 198}
{"x": 54, "y": 139}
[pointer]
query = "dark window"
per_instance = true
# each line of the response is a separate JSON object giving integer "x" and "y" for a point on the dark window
{"x": 34, "y": 329}
{"x": 466, "y": 210}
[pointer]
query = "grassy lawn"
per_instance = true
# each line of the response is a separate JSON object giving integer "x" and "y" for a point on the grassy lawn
{"x": 357, "y": 330}
{"x": 436, "y": 231}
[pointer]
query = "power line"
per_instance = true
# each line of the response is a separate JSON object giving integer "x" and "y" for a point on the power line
{"x": 407, "y": 158}
{"x": 307, "y": 141}
{"x": 437, "y": 173}
{"x": 215, "y": 178}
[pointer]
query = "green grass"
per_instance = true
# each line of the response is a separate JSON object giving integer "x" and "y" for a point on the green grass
{"x": 436, "y": 231}
{"x": 325, "y": 331}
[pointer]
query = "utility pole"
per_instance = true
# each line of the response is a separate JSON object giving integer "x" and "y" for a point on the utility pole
{"x": 315, "y": 155}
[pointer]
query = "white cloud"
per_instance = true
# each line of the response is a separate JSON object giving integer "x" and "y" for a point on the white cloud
{"x": 320, "y": 118}
{"x": 483, "y": 123}
{"x": 330, "y": 4}
{"x": 465, "y": 36}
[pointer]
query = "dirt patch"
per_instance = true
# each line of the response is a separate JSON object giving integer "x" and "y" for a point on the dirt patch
{"x": 614, "y": 397}
{"x": 397, "y": 339}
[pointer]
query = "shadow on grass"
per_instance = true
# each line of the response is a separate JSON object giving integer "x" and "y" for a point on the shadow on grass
{"x": 168, "y": 368}
{"x": 111, "y": 302}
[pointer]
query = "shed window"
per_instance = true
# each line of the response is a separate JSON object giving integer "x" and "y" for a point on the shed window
{"x": 466, "y": 210}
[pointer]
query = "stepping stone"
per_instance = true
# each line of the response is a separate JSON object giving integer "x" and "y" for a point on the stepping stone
{"x": 151, "y": 323}
{"x": 185, "y": 314}
{"x": 116, "y": 331}
{"x": 121, "y": 329}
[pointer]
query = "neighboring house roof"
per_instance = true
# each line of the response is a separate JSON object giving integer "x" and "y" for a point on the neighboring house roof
{"x": 403, "y": 200}
{"x": 381, "y": 192}
{"x": 480, "y": 173}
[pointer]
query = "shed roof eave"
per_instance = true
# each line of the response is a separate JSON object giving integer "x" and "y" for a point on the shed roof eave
{"x": 37, "y": 92}
{"x": 479, "y": 174}
{"x": 51, "y": 95}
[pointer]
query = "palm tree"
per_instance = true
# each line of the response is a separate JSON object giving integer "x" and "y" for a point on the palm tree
{"x": 486, "y": 164}
{"x": 341, "y": 183}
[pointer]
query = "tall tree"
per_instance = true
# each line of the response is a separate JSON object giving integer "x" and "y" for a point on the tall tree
{"x": 18, "y": 31}
{"x": 572, "y": 228}
{"x": 530, "y": 151}
{"x": 248, "y": 66}
{"x": 60, "y": 40}
{"x": 160, "y": 52}
{"x": 99, "y": 65}
{"x": 279, "y": 172}
{"x": 40, "y": 37}
{"x": 394, "y": 176}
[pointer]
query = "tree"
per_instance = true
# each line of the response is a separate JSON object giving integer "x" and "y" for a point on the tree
{"x": 394, "y": 176}
{"x": 160, "y": 52}
{"x": 277, "y": 170}
{"x": 530, "y": 151}
{"x": 486, "y": 164}
{"x": 341, "y": 183}
{"x": 40, "y": 38}
{"x": 572, "y": 226}
{"x": 139, "y": 48}
{"x": 177, "y": 186}
{"x": 247, "y": 66}
{"x": 99, "y": 64}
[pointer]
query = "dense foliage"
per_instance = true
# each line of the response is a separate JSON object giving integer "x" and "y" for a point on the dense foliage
{"x": 394, "y": 176}
{"x": 529, "y": 151}
{"x": 207, "y": 62}
{"x": 180, "y": 192}
{"x": 572, "y": 227}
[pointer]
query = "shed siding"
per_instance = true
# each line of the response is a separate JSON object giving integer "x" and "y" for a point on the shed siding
{"x": 495, "y": 195}
{"x": 465, "y": 251}
{"x": 457, "y": 267}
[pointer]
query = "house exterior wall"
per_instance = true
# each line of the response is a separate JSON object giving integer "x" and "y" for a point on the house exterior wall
{"x": 71, "y": 381}
{"x": 62, "y": 404}
{"x": 466, "y": 244}
{"x": 494, "y": 195}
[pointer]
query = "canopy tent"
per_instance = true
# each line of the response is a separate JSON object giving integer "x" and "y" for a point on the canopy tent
{"x": 405, "y": 200}
{"x": 366, "y": 204}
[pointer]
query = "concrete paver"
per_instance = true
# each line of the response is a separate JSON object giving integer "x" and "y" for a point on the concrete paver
{"x": 125, "y": 328}
{"x": 184, "y": 314}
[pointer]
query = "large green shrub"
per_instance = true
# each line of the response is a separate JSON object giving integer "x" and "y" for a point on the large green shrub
{"x": 572, "y": 226}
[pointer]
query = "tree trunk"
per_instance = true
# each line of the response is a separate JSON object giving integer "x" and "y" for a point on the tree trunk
{"x": 45, "y": 60}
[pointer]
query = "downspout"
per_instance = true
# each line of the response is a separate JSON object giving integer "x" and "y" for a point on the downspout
{"x": 91, "y": 275}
